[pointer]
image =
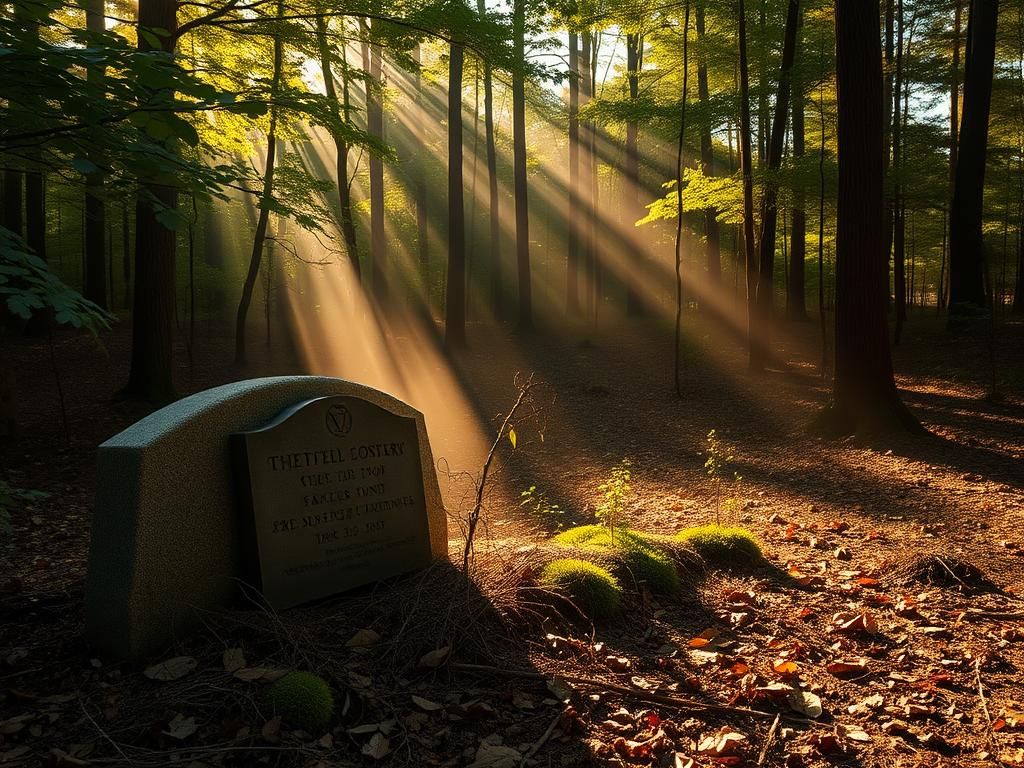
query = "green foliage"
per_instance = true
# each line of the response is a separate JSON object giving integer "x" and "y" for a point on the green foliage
{"x": 723, "y": 544}
{"x": 591, "y": 588}
{"x": 302, "y": 699}
{"x": 536, "y": 502}
{"x": 11, "y": 496}
{"x": 27, "y": 285}
{"x": 715, "y": 465}
{"x": 639, "y": 554}
{"x": 616, "y": 490}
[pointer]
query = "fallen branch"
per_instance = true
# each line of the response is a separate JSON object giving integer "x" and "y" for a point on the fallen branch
{"x": 768, "y": 741}
{"x": 541, "y": 741}
{"x": 656, "y": 698}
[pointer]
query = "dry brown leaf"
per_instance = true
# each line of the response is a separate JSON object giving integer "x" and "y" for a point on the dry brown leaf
{"x": 434, "y": 659}
{"x": 172, "y": 669}
{"x": 377, "y": 747}
{"x": 181, "y": 727}
{"x": 364, "y": 638}
{"x": 233, "y": 659}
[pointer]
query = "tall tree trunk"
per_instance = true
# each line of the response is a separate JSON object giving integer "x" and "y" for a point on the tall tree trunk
{"x": 966, "y": 245}
{"x": 634, "y": 63}
{"x": 887, "y": 90}
{"x": 126, "y": 256}
{"x": 519, "y": 167}
{"x": 954, "y": 94}
{"x": 864, "y": 394}
{"x": 151, "y": 375}
{"x": 712, "y": 246}
{"x": 259, "y": 239}
{"x": 749, "y": 252}
{"x": 455, "y": 295}
{"x": 759, "y": 350}
{"x": 572, "y": 265}
{"x": 422, "y": 234}
{"x": 587, "y": 165}
{"x": 762, "y": 84}
{"x": 899, "y": 250}
{"x": 348, "y": 227}
{"x": 493, "y": 207}
{"x": 95, "y": 210}
{"x": 375, "y": 127}
{"x": 14, "y": 199}
{"x": 796, "y": 299}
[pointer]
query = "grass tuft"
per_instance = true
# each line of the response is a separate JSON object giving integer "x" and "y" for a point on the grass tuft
{"x": 639, "y": 556}
{"x": 723, "y": 544}
{"x": 592, "y": 588}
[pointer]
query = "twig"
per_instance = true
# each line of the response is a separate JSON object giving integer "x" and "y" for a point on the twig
{"x": 657, "y": 698}
{"x": 984, "y": 704}
{"x": 105, "y": 735}
{"x": 768, "y": 741}
{"x": 977, "y": 613}
{"x": 474, "y": 515}
{"x": 541, "y": 741}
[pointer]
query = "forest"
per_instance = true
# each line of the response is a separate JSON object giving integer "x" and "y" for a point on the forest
{"x": 711, "y": 313}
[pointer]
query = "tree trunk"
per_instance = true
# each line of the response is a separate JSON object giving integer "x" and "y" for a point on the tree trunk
{"x": 493, "y": 208}
{"x": 796, "y": 300}
{"x": 455, "y": 295}
{"x": 749, "y": 252}
{"x": 899, "y": 249}
{"x": 14, "y": 184}
{"x": 864, "y": 394}
{"x": 759, "y": 350}
{"x": 259, "y": 239}
{"x": 587, "y": 160}
{"x": 572, "y": 264}
{"x": 422, "y": 231}
{"x": 954, "y": 94}
{"x": 375, "y": 127}
{"x": 95, "y": 210}
{"x": 348, "y": 228}
{"x": 966, "y": 246}
{"x": 712, "y": 246}
{"x": 634, "y": 63}
{"x": 151, "y": 375}
{"x": 887, "y": 90}
{"x": 519, "y": 168}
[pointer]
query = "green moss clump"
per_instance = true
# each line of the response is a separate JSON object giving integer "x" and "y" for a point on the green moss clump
{"x": 302, "y": 699}
{"x": 653, "y": 568}
{"x": 592, "y": 588}
{"x": 640, "y": 555}
{"x": 722, "y": 544}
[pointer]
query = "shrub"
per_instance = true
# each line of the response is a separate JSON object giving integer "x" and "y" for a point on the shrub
{"x": 592, "y": 588}
{"x": 654, "y": 568}
{"x": 302, "y": 699}
{"x": 723, "y": 544}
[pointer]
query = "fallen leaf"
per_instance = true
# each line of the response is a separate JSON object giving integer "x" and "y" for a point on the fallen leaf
{"x": 434, "y": 659}
{"x": 233, "y": 659}
{"x": 181, "y": 727}
{"x": 364, "y": 638}
{"x": 559, "y": 688}
{"x": 377, "y": 747}
{"x": 491, "y": 755}
{"x": 172, "y": 669}
{"x": 806, "y": 703}
{"x": 724, "y": 743}
{"x": 271, "y": 730}
{"x": 842, "y": 667}
{"x": 259, "y": 674}
{"x": 426, "y": 704}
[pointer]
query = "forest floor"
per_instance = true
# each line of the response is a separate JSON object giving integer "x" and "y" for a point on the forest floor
{"x": 892, "y": 592}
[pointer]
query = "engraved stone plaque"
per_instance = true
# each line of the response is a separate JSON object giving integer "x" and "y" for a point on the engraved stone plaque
{"x": 332, "y": 496}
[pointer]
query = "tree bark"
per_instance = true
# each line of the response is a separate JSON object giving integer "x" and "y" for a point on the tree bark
{"x": 348, "y": 227}
{"x": 572, "y": 265}
{"x": 95, "y": 288}
{"x": 375, "y": 127}
{"x": 519, "y": 167}
{"x": 759, "y": 350}
{"x": 749, "y": 253}
{"x": 967, "y": 292}
{"x": 422, "y": 231}
{"x": 864, "y": 393}
{"x": 455, "y": 295}
{"x": 712, "y": 246}
{"x": 151, "y": 375}
{"x": 899, "y": 251}
{"x": 260, "y": 237}
{"x": 796, "y": 299}
{"x": 493, "y": 207}
{"x": 634, "y": 63}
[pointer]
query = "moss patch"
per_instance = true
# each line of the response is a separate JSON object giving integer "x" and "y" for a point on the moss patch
{"x": 592, "y": 588}
{"x": 723, "y": 545}
{"x": 302, "y": 699}
{"x": 633, "y": 555}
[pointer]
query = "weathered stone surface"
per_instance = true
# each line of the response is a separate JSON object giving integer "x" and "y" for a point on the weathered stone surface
{"x": 335, "y": 492}
{"x": 166, "y": 534}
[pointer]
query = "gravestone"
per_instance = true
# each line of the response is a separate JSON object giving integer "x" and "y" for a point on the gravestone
{"x": 335, "y": 490}
{"x": 171, "y": 532}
